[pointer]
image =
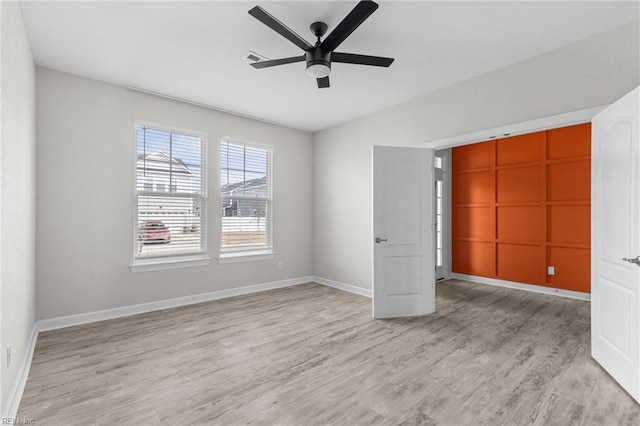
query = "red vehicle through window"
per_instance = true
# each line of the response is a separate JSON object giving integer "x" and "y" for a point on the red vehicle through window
{"x": 153, "y": 232}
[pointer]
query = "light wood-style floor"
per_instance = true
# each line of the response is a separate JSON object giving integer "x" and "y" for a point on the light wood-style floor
{"x": 312, "y": 355}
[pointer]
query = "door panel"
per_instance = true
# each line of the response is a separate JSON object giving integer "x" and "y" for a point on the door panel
{"x": 402, "y": 275}
{"x": 615, "y": 302}
{"x": 403, "y": 198}
{"x": 404, "y": 256}
{"x": 616, "y": 328}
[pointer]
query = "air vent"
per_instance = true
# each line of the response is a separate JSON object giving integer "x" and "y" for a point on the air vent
{"x": 254, "y": 57}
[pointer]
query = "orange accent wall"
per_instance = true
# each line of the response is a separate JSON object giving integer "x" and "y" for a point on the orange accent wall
{"x": 521, "y": 204}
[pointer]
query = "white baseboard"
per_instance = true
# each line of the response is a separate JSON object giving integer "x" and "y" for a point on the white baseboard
{"x": 15, "y": 395}
{"x": 342, "y": 286}
{"x": 125, "y": 311}
{"x": 522, "y": 286}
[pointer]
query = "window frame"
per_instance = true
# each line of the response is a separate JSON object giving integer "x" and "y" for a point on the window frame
{"x": 242, "y": 254}
{"x": 173, "y": 261}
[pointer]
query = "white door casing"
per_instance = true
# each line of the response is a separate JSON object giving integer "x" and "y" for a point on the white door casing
{"x": 615, "y": 234}
{"x": 403, "y": 259}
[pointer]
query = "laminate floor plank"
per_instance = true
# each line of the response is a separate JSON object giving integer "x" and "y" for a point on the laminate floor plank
{"x": 312, "y": 355}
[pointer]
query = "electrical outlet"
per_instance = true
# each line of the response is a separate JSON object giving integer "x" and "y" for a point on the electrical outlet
{"x": 551, "y": 270}
{"x": 280, "y": 265}
{"x": 9, "y": 356}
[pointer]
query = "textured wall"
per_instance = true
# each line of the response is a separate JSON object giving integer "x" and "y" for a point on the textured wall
{"x": 17, "y": 193}
{"x": 86, "y": 151}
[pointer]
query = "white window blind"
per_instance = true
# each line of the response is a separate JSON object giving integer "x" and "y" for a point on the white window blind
{"x": 171, "y": 193}
{"x": 246, "y": 197}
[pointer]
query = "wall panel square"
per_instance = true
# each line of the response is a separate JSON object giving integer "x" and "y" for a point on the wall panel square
{"x": 474, "y": 258}
{"x": 569, "y": 224}
{"x": 569, "y": 181}
{"x": 475, "y": 222}
{"x": 520, "y": 263}
{"x": 474, "y": 156}
{"x": 520, "y": 149}
{"x": 523, "y": 184}
{"x": 474, "y": 188}
{"x": 520, "y": 223}
{"x": 572, "y": 268}
{"x": 567, "y": 142}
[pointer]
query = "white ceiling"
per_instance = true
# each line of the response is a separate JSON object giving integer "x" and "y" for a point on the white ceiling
{"x": 196, "y": 50}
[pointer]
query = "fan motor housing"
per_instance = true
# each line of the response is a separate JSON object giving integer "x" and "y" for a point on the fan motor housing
{"x": 317, "y": 57}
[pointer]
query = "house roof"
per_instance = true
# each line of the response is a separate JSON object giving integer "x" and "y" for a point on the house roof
{"x": 228, "y": 189}
{"x": 159, "y": 161}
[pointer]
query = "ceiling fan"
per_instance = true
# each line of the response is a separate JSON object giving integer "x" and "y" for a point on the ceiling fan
{"x": 320, "y": 56}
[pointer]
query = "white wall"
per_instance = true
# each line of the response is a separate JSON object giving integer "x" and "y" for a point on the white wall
{"x": 86, "y": 170}
{"x": 17, "y": 194}
{"x": 593, "y": 72}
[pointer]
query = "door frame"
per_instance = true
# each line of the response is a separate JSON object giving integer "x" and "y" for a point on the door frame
{"x": 540, "y": 124}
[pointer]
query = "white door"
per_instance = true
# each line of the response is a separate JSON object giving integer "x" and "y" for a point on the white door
{"x": 615, "y": 280}
{"x": 403, "y": 249}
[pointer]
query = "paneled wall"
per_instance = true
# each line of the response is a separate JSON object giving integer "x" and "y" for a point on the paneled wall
{"x": 521, "y": 204}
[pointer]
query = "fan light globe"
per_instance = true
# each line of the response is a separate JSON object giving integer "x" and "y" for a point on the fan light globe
{"x": 318, "y": 70}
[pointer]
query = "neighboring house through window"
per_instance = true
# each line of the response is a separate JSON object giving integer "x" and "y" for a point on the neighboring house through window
{"x": 246, "y": 197}
{"x": 171, "y": 193}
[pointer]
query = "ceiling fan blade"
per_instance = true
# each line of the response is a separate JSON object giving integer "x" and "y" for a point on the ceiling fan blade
{"x": 263, "y": 16}
{"x": 323, "y": 82}
{"x": 351, "y": 58}
{"x": 273, "y": 63}
{"x": 348, "y": 25}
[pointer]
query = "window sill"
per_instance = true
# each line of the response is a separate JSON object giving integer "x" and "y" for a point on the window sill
{"x": 246, "y": 256}
{"x": 168, "y": 263}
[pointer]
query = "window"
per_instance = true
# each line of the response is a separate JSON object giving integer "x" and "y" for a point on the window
{"x": 170, "y": 220}
{"x": 246, "y": 197}
{"x": 439, "y": 195}
{"x": 438, "y": 162}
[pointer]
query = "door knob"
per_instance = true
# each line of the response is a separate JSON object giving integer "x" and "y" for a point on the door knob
{"x": 636, "y": 260}
{"x": 379, "y": 240}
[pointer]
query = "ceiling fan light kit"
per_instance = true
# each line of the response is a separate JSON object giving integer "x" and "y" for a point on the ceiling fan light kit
{"x": 318, "y": 63}
{"x": 319, "y": 57}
